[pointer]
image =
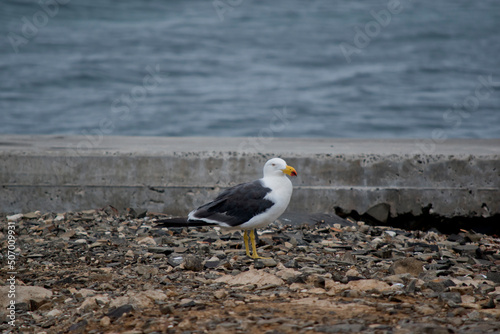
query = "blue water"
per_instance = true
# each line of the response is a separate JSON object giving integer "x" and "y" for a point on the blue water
{"x": 251, "y": 68}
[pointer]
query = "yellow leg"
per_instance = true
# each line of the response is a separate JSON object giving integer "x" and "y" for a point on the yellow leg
{"x": 245, "y": 239}
{"x": 254, "y": 247}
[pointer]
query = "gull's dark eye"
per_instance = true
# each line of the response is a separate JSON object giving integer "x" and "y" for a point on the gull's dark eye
{"x": 273, "y": 164}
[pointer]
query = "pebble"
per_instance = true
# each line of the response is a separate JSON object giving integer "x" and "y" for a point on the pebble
{"x": 29, "y": 297}
{"x": 262, "y": 263}
{"x": 211, "y": 264}
{"x": 15, "y": 218}
{"x": 257, "y": 277}
{"x": 220, "y": 294}
{"x": 175, "y": 260}
{"x": 149, "y": 241}
{"x": 105, "y": 321}
{"x": 54, "y": 313}
{"x": 119, "y": 312}
{"x": 408, "y": 265}
{"x": 193, "y": 262}
{"x": 451, "y": 298}
{"x": 79, "y": 327}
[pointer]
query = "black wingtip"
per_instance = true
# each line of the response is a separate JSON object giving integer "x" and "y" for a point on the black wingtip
{"x": 179, "y": 222}
{"x": 172, "y": 222}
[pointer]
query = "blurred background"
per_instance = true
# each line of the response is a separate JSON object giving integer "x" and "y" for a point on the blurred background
{"x": 282, "y": 68}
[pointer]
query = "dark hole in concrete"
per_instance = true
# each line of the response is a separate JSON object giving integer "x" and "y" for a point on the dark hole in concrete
{"x": 428, "y": 221}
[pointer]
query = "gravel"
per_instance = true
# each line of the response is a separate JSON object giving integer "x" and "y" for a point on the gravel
{"x": 99, "y": 271}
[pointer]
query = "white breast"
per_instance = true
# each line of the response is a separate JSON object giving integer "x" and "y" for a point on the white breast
{"x": 280, "y": 195}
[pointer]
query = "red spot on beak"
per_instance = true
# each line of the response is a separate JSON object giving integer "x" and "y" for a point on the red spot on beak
{"x": 294, "y": 173}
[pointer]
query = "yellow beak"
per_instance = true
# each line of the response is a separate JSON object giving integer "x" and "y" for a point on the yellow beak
{"x": 289, "y": 170}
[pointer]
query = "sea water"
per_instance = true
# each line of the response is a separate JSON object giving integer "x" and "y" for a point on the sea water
{"x": 281, "y": 68}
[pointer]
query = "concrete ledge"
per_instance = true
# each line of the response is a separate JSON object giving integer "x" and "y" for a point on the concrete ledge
{"x": 61, "y": 173}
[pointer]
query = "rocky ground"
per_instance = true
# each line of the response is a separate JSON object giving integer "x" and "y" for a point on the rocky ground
{"x": 103, "y": 272}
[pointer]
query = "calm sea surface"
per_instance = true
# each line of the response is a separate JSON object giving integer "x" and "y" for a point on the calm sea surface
{"x": 283, "y": 68}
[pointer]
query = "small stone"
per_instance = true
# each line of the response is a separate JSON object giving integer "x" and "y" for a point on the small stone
{"x": 439, "y": 285}
{"x": 474, "y": 315}
{"x": 79, "y": 327}
{"x": 305, "y": 259}
{"x": 489, "y": 304}
{"x": 469, "y": 250}
{"x": 161, "y": 250}
{"x": 425, "y": 310}
{"x": 88, "y": 304}
{"x": 220, "y": 294}
{"x": 129, "y": 253}
{"x": 31, "y": 215}
{"x": 211, "y": 264}
{"x": 485, "y": 288}
{"x": 97, "y": 244}
{"x": 49, "y": 323}
{"x": 392, "y": 234}
{"x": 120, "y": 311}
{"x": 341, "y": 328}
{"x": 394, "y": 279}
{"x": 31, "y": 296}
{"x": 369, "y": 285}
{"x": 105, "y": 321}
{"x": 262, "y": 263}
{"x": 155, "y": 295}
{"x": 180, "y": 249}
{"x": 473, "y": 237}
{"x": 451, "y": 298}
{"x": 83, "y": 293}
{"x": 463, "y": 290}
{"x": 140, "y": 300}
{"x": 193, "y": 262}
{"x": 59, "y": 218}
{"x": 258, "y": 277}
{"x": 288, "y": 274}
{"x": 15, "y": 218}
{"x": 68, "y": 234}
{"x": 316, "y": 281}
{"x": 407, "y": 265}
{"x": 147, "y": 271}
{"x": 353, "y": 272}
{"x": 494, "y": 276}
{"x": 380, "y": 212}
{"x": 54, "y": 313}
{"x": 383, "y": 253}
{"x": 167, "y": 309}
{"x": 175, "y": 259}
{"x": 35, "y": 256}
{"x": 186, "y": 302}
{"x": 146, "y": 241}
{"x": 291, "y": 264}
{"x": 297, "y": 287}
{"x": 349, "y": 257}
{"x": 456, "y": 238}
{"x": 412, "y": 286}
{"x": 102, "y": 300}
{"x": 469, "y": 300}
{"x": 93, "y": 303}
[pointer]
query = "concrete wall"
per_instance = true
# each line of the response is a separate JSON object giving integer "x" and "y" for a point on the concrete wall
{"x": 174, "y": 175}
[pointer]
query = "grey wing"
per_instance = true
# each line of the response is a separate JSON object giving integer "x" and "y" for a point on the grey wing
{"x": 236, "y": 205}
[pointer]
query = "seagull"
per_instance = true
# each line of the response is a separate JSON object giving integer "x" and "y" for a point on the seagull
{"x": 246, "y": 206}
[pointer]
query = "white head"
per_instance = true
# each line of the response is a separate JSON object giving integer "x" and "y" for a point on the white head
{"x": 278, "y": 167}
